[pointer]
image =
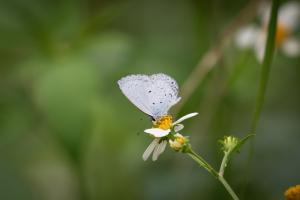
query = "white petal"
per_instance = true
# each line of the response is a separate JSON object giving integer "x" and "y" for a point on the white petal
{"x": 184, "y": 118}
{"x": 155, "y": 153}
{"x": 157, "y": 132}
{"x": 289, "y": 15}
{"x": 291, "y": 47}
{"x": 246, "y": 36}
{"x": 150, "y": 149}
{"x": 163, "y": 146}
{"x": 178, "y": 127}
{"x": 158, "y": 150}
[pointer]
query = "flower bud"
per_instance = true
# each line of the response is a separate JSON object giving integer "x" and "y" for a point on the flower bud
{"x": 293, "y": 193}
{"x": 179, "y": 143}
{"x": 229, "y": 143}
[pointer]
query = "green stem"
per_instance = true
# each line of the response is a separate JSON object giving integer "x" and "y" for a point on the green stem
{"x": 203, "y": 163}
{"x": 266, "y": 65}
{"x": 224, "y": 164}
{"x": 228, "y": 188}
{"x": 213, "y": 172}
{"x": 264, "y": 76}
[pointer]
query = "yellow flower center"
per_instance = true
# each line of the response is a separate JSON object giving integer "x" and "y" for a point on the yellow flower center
{"x": 281, "y": 34}
{"x": 165, "y": 122}
{"x": 293, "y": 193}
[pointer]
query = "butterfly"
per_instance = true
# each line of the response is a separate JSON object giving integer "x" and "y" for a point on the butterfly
{"x": 154, "y": 95}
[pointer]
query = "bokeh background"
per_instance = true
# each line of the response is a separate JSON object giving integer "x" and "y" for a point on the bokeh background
{"x": 68, "y": 133}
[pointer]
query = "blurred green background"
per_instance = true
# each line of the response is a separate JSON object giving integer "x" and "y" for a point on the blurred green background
{"x": 68, "y": 133}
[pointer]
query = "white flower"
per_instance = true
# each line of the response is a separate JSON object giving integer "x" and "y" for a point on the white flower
{"x": 167, "y": 125}
{"x": 163, "y": 128}
{"x": 246, "y": 36}
{"x": 254, "y": 36}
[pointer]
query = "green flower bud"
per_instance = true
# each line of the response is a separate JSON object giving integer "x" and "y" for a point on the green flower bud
{"x": 229, "y": 143}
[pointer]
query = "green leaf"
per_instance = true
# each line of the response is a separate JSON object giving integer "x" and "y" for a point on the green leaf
{"x": 241, "y": 142}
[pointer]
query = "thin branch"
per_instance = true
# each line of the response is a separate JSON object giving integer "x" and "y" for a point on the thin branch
{"x": 212, "y": 56}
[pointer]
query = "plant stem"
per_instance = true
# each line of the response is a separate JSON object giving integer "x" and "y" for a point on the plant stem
{"x": 264, "y": 76}
{"x": 213, "y": 172}
{"x": 224, "y": 164}
{"x": 228, "y": 188}
{"x": 266, "y": 65}
{"x": 203, "y": 163}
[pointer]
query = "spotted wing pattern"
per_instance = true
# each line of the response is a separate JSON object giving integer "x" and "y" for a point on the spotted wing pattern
{"x": 154, "y": 94}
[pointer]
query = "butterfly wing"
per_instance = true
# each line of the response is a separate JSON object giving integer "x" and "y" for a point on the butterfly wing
{"x": 134, "y": 88}
{"x": 154, "y": 95}
{"x": 164, "y": 94}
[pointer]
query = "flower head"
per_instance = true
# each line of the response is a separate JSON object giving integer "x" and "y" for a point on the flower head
{"x": 163, "y": 125}
{"x": 293, "y": 193}
{"x": 161, "y": 131}
{"x": 254, "y": 36}
{"x": 229, "y": 143}
{"x": 179, "y": 142}
{"x": 164, "y": 122}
